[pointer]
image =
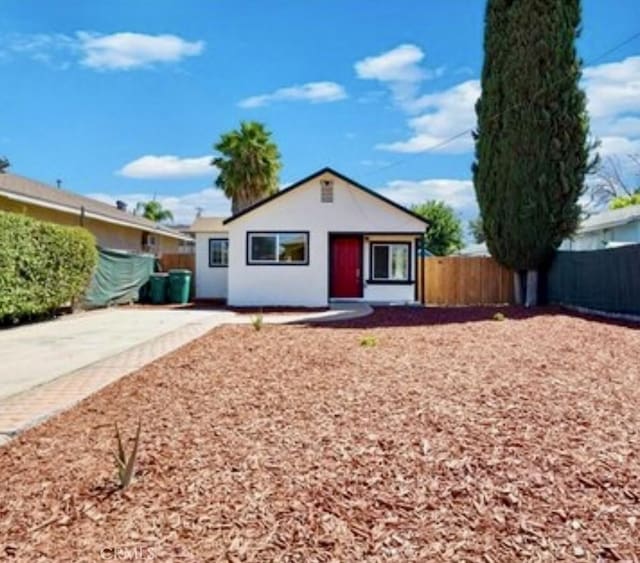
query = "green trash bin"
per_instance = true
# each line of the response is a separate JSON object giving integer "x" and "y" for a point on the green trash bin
{"x": 158, "y": 282}
{"x": 179, "y": 286}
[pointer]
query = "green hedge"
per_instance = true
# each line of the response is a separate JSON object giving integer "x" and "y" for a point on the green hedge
{"x": 42, "y": 266}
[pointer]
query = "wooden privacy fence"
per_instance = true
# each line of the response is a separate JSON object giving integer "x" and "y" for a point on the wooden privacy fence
{"x": 464, "y": 280}
{"x": 178, "y": 261}
{"x": 181, "y": 262}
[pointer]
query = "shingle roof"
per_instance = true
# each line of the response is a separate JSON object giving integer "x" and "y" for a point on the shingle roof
{"x": 34, "y": 191}
{"x": 208, "y": 225}
{"x": 610, "y": 218}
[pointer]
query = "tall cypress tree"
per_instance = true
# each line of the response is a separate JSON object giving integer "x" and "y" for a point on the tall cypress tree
{"x": 532, "y": 151}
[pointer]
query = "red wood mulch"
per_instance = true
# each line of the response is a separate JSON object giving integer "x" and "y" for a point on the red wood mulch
{"x": 454, "y": 440}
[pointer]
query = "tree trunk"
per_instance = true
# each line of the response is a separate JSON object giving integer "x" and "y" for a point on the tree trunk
{"x": 531, "y": 299}
{"x": 241, "y": 201}
{"x": 517, "y": 287}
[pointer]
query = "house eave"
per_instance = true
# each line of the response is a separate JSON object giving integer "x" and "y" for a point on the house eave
{"x": 326, "y": 170}
{"x": 90, "y": 214}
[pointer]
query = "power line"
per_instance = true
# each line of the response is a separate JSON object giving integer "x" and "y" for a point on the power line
{"x": 448, "y": 140}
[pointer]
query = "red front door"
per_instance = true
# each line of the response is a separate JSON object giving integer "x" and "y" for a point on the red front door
{"x": 346, "y": 266}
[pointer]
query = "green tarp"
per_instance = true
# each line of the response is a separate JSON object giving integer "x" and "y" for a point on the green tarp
{"x": 604, "y": 280}
{"x": 119, "y": 277}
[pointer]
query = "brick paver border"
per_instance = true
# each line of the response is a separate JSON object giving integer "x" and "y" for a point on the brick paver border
{"x": 32, "y": 406}
{"x": 28, "y": 408}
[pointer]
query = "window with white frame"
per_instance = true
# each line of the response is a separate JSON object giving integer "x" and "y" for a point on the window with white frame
{"x": 287, "y": 248}
{"x": 390, "y": 261}
{"x": 218, "y": 252}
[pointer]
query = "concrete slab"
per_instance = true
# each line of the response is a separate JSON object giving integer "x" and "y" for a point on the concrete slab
{"x": 35, "y": 354}
{"x": 51, "y": 366}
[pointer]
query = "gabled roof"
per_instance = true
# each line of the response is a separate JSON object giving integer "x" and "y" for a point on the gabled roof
{"x": 30, "y": 191}
{"x": 610, "y": 218}
{"x": 208, "y": 225}
{"x": 325, "y": 170}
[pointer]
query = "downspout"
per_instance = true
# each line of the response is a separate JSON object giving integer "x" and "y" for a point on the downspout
{"x": 82, "y": 215}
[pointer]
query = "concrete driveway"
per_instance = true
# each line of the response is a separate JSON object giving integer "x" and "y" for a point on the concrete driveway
{"x": 35, "y": 354}
{"x": 48, "y": 367}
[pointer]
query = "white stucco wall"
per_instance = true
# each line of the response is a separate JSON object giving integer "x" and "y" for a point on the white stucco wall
{"x": 352, "y": 210}
{"x": 211, "y": 283}
{"x": 596, "y": 240}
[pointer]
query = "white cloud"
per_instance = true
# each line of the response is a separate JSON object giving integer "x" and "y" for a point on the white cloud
{"x": 613, "y": 88}
{"x": 459, "y": 194}
{"x": 400, "y": 70}
{"x": 442, "y": 113}
{"x": 448, "y": 113}
{"x": 126, "y": 50}
{"x": 167, "y": 167}
{"x": 613, "y": 94}
{"x": 314, "y": 92}
{"x": 184, "y": 207}
{"x": 397, "y": 65}
{"x": 618, "y": 146}
{"x": 613, "y": 101}
{"x": 117, "y": 51}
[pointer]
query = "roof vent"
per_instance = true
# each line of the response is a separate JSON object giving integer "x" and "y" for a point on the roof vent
{"x": 121, "y": 205}
{"x": 326, "y": 191}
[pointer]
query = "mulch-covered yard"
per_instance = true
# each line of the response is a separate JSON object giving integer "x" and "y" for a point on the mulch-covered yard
{"x": 410, "y": 435}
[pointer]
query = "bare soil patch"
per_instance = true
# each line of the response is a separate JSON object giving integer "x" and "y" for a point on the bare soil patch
{"x": 448, "y": 436}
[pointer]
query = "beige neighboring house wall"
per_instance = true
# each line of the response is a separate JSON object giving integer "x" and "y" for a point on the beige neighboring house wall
{"x": 112, "y": 227}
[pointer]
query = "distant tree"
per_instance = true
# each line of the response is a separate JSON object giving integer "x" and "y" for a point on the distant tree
{"x": 625, "y": 200}
{"x": 612, "y": 181}
{"x": 248, "y": 166}
{"x": 4, "y": 164}
{"x": 153, "y": 211}
{"x": 444, "y": 235}
{"x": 532, "y": 148}
{"x": 476, "y": 230}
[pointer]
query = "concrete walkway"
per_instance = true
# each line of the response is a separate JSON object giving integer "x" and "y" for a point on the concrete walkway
{"x": 49, "y": 367}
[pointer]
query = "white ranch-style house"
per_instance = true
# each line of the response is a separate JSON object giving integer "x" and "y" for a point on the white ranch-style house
{"x": 325, "y": 238}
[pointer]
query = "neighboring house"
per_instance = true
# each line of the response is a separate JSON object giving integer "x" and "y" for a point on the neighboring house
{"x": 211, "y": 257}
{"x": 112, "y": 226}
{"x": 322, "y": 239}
{"x": 185, "y": 246}
{"x": 475, "y": 249}
{"x": 610, "y": 228}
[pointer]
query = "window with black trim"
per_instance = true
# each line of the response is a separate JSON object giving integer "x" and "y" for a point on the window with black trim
{"x": 218, "y": 252}
{"x": 287, "y": 248}
{"x": 390, "y": 261}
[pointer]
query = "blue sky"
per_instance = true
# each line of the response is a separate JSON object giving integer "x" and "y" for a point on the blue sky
{"x": 124, "y": 99}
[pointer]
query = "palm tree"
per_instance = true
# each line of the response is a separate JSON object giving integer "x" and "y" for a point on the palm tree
{"x": 249, "y": 165}
{"x": 153, "y": 211}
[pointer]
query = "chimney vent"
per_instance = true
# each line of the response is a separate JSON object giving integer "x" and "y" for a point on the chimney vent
{"x": 121, "y": 205}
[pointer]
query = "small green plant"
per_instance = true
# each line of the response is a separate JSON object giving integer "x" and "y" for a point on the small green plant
{"x": 257, "y": 321}
{"x": 499, "y": 317}
{"x": 368, "y": 341}
{"x": 126, "y": 465}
